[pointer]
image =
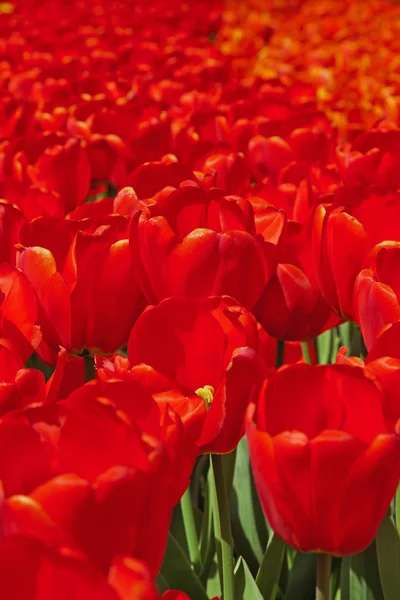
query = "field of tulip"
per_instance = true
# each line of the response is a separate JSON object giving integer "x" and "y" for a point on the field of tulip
{"x": 200, "y": 300}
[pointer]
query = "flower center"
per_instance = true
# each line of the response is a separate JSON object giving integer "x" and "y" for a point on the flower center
{"x": 206, "y": 392}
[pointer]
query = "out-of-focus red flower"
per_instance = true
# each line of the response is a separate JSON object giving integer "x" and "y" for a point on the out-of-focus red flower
{"x": 150, "y": 178}
{"x": 65, "y": 573}
{"x": 228, "y": 172}
{"x": 377, "y": 293}
{"x": 319, "y": 452}
{"x": 372, "y": 158}
{"x": 64, "y": 169}
{"x": 87, "y": 293}
{"x": 11, "y": 219}
{"x": 205, "y": 365}
{"x": 21, "y": 387}
{"x": 194, "y": 243}
{"x": 49, "y": 572}
{"x": 268, "y": 156}
{"x": 93, "y": 468}
{"x": 33, "y": 201}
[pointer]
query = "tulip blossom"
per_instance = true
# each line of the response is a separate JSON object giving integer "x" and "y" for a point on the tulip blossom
{"x": 206, "y": 365}
{"x": 18, "y": 311}
{"x": 377, "y": 293}
{"x": 344, "y": 234}
{"x": 89, "y": 470}
{"x": 86, "y": 290}
{"x": 325, "y": 460}
{"x": 65, "y": 573}
{"x": 194, "y": 243}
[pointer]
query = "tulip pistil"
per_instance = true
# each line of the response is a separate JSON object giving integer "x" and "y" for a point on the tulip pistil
{"x": 206, "y": 392}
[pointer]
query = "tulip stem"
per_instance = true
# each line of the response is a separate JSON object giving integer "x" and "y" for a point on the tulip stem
{"x": 90, "y": 372}
{"x": 324, "y": 563}
{"x": 305, "y": 348}
{"x": 222, "y": 526}
{"x": 189, "y": 525}
{"x": 397, "y": 508}
{"x": 280, "y": 353}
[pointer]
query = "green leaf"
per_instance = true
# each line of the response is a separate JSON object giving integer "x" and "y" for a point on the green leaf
{"x": 270, "y": 569}
{"x": 177, "y": 572}
{"x": 301, "y": 585}
{"x": 336, "y": 343}
{"x": 177, "y": 528}
{"x": 335, "y": 577}
{"x": 359, "y": 578}
{"x": 397, "y": 508}
{"x": 213, "y": 584}
{"x": 245, "y": 586}
{"x": 207, "y": 539}
{"x": 161, "y": 584}
{"x": 388, "y": 551}
{"x": 35, "y": 362}
{"x": 345, "y": 330}
{"x": 249, "y": 527}
{"x": 324, "y": 344}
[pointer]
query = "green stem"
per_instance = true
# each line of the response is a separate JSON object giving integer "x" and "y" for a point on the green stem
{"x": 280, "y": 353}
{"x": 397, "y": 508}
{"x": 324, "y": 563}
{"x": 305, "y": 348}
{"x": 222, "y": 526}
{"x": 207, "y": 540}
{"x": 90, "y": 371}
{"x": 189, "y": 525}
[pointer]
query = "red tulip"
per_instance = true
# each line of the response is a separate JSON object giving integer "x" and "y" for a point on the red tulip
{"x": 34, "y": 201}
{"x": 66, "y": 170}
{"x": 290, "y": 308}
{"x": 66, "y": 574}
{"x": 90, "y": 468}
{"x": 377, "y": 293}
{"x": 372, "y": 158}
{"x": 87, "y": 293}
{"x": 11, "y": 219}
{"x": 344, "y": 234}
{"x": 228, "y": 172}
{"x": 387, "y": 343}
{"x": 194, "y": 243}
{"x": 386, "y": 372}
{"x": 150, "y": 178}
{"x": 18, "y": 311}
{"x": 205, "y": 365}
{"x": 49, "y": 573}
{"x": 321, "y": 451}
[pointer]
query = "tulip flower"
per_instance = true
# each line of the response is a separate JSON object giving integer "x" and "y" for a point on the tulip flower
{"x": 18, "y": 311}
{"x": 194, "y": 243}
{"x": 290, "y": 308}
{"x": 66, "y": 170}
{"x": 98, "y": 504}
{"x": 325, "y": 460}
{"x": 66, "y": 574}
{"x": 377, "y": 293}
{"x": 343, "y": 236}
{"x": 372, "y": 158}
{"x": 206, "y": 365}
{"x": 11, "y": 219}
{"x": 86, "y": 291}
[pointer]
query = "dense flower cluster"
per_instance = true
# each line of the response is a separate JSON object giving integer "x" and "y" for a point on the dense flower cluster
{"x": 187, "y": 192}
